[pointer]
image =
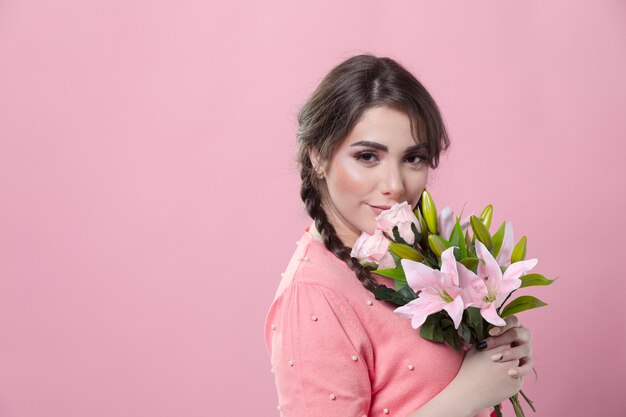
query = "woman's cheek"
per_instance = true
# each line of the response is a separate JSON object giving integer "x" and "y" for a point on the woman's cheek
{"x": 417, "y": 187}
{"x": 353, "y": 179}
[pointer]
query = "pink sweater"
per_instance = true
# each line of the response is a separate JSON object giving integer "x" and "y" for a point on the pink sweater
{"x": 337, "y": 351}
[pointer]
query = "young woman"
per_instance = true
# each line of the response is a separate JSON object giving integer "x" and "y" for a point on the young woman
{"x": 368, "y": 136}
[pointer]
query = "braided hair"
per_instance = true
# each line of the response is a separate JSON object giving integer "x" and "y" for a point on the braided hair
{"x": 325, "y": 120}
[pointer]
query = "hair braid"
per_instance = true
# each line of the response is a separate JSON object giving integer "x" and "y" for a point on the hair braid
{"x": 312, "y": 198}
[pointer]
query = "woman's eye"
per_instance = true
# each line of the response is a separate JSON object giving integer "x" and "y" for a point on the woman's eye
{"x": 366, "y": 156}
{"x": 414, "y": 159}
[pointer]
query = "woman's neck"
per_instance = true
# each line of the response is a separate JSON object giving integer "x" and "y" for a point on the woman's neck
{"x": 316, "y": 235}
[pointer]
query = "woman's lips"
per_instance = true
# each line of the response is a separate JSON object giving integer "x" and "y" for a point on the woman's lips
{"x": 378, "y": 209}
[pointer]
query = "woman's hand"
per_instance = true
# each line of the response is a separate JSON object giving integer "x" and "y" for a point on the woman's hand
{"x": 518, "y": 341}
{"x": 488, "y": 376}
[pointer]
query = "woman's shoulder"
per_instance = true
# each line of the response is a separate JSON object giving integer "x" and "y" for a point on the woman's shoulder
{"x": 312, "y": 263}
{"x": 316, "y": 278}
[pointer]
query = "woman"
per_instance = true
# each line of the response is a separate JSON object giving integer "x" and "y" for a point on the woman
{"x": 368, "y": 136}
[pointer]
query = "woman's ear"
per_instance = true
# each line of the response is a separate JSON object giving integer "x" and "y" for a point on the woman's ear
{"x": 317, "y": 166}
{"x": 314, "y": 156}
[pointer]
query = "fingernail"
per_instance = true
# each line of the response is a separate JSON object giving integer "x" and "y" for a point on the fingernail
{"x": 482, "y": 345}
{"x": 494, "y": 331}
{"x": 512, "y": 372}
{"x": 497, "y": 357}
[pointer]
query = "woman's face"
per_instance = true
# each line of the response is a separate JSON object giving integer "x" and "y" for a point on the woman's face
{"x": 377, "y": 165}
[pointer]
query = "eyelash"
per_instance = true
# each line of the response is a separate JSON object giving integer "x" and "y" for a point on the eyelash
{"x": 360, "y": 157}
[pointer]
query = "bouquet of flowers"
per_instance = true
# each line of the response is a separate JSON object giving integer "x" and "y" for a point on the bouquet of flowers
{"x": 451, "y": 283}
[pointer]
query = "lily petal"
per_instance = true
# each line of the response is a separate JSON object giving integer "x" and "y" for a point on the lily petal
{"x": 465, "y": 224}
{"x": 446, "y": 222}
{"x": 418, "y": 310}
{"x": 517, "y": 269}
{"x": 474, "y": 293}
{"x": 419, "y": 275}
{"x": 455, "y": 310}
{"x": 466, "y": 276}
{"x": 488, "y": 268}
{"x": 387, "y": 262}
{"x": 448, "y": 266}
{"x": 489, "y": 313}
{"x": 506, "y": 250}
{"x": 509, "y": 285}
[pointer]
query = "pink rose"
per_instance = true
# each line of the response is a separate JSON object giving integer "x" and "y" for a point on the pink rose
{"x": 373, "y": 248}
{"x": 401, "y": 215}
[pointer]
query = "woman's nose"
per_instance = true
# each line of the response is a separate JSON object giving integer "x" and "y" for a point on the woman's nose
{"x": 393, "y": 183}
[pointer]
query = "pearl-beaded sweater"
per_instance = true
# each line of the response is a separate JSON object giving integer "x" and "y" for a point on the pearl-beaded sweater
{"x": 337, "y": 351}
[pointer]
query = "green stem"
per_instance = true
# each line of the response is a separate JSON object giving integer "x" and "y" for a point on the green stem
{"x": 517, "y": 406}
{"x": 498, "y": 410}
{"x": 529, "y": 401}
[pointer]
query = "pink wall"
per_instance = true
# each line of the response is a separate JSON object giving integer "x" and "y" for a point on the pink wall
{"x": 144, "y": 146}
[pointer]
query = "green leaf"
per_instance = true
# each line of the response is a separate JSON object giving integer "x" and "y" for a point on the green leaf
{"x": 437, "y": 244}
{"x": 397, "y": 237}
{"x": 496, "y": 239}
{"x": 456, "y": 239}
{"x": 476, "y": 321}
{"x": 382, "y": 292}
{"x": 396, "y": 260}
{"x": 486, "y": 215}
{"x": 468, "y": 241}
{"x": 525, "y": 302}
{"x": 430, "y": 211}
{"x": 405, "y": 252}
{"x": 530, "y": 280}
{"x": 416, "y": 233}
{"x": 407, "y": 293}
{"x": 438, "y": 335}
{"x": 446, "y": 322}
{"x": 456, "y": 235}
{"x": 423, "y": 226}
{"x": 480, "y": 232}
{"x": 519, "y": 251}
{"x": 394, "y": 273}
{"x": 432, "y": 327}
{"x": 470, "y": 263}
{"x": 452, "y": 338}
{"x": 427, "y": 331}
{"x": 466, "y": 333}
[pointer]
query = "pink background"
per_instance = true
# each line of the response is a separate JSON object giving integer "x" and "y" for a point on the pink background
{"x": 149, "y": 194}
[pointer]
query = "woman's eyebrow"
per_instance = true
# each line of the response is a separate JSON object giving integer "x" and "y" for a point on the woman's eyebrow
{"x": 383, "y": 148}
{"x": 374, "y": 145}
{"x": 416, "y": 147}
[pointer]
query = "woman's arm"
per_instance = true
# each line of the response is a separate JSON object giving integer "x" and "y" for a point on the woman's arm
{"x": 319, "y": 354}
{"x": 448, "y": 403}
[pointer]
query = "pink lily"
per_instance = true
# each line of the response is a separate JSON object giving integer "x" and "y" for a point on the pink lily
{"x": 506, "y": 250}
{"x": 491, "y": 287}
{"x": 439, "y": 290}
{"x": 446, "y": 221}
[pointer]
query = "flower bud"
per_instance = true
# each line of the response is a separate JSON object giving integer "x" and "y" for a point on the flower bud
{"x": 429, "y": 211}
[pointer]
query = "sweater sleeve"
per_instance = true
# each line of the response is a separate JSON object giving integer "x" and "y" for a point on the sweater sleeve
{"x": 320, "y": 353}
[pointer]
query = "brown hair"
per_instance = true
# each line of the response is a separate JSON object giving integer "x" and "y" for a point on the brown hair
{"x": 325, "y": 120}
